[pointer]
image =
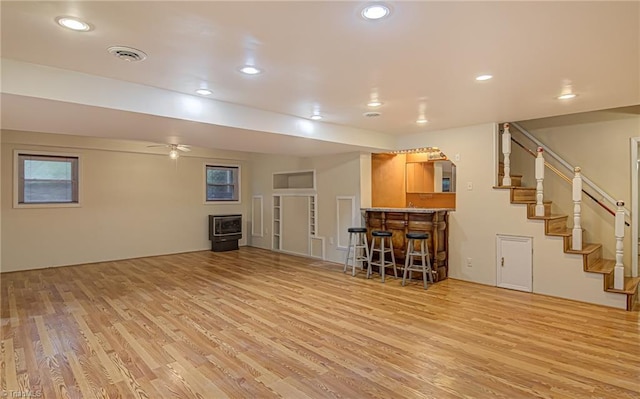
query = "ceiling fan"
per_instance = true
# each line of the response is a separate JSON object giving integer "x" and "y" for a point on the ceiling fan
{"x": 174, "y": 149}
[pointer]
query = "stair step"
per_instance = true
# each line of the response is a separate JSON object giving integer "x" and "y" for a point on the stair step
{"x": 523, "y": 195}
{"x": 567, "y": 232}
{"x": 630, "y": 286}
{"x": 602, "y": 266}
{"x": 587, "y": 248}
{"x": 550, "y": 217}
{"x": 516, "y": 180}
{"x": 531, "y": 209}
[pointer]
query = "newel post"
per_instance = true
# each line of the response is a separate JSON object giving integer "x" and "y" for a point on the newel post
{"x": 539, "y": 179}
{"x": 618, "y": 271}
{"x": 576, "y": 238}
{"x": 506, "y": 152}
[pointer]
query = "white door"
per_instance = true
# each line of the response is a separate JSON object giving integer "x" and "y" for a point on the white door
{"x": 515, "y": 262}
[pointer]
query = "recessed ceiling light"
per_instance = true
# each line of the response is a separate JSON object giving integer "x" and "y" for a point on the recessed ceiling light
{"x": 73, "y": 24}
{"x": 128, "y": 54}
{"x": 566, "y": 96}
{"x": 316, "y": 117}
{"x": 421, "y": 121}
{"x": 374, "y": 103}
{"x": 484, "y": 77}
{"x": 250, "y": 70}
{"x": 375, "y": 11}
{"x": 204, "y": 92}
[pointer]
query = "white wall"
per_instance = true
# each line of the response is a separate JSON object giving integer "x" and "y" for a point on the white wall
{"x": 134, "y": 203}
{"x": 483, "y": 212}
{"x": 336, "y": 175}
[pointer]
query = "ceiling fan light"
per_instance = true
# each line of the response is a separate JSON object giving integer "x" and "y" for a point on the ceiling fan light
{"x": 174, "y": 154}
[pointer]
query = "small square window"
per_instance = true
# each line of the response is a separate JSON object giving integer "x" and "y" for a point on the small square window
{"x": 46, "y": 179}
{"x": 222, "y": 183}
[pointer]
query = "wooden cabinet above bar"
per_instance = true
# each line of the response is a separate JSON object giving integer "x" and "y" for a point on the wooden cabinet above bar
{"x": 400, "y": 221}
{"x": 399, "y": 180}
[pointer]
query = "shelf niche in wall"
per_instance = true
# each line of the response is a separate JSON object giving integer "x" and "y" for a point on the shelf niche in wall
{"x": 305, "y": 180}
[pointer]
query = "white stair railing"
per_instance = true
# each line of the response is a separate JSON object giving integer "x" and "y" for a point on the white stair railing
{"x": 603, "y": 197}
{"x": 618, "y": 271}
{"x": 576, "y": 234}
{"x": 539, "y": 179}
{"x": 565, "y": 164}
{"x": 506, "y": 152}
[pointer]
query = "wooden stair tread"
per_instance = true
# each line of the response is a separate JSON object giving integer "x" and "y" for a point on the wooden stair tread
{"x": 564, "y": 233}
{"x": 550, "y": 217}
{"x": 505, "y": 187}
{"x": 512, "y": 175}
{"x": 587, "y": 248}
{"x": 525, "y": 188}
{"x": 630, "y": 286}
{"x": 602, "y": 266}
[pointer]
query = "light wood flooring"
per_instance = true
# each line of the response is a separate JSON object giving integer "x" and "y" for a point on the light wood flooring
{"x": 257, "y": 324}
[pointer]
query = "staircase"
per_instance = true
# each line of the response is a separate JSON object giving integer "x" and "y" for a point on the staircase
{"x": 556, "y": 225}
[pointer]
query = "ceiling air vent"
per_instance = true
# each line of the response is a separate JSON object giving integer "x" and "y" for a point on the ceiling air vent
{"x": 371, "y": 114}
{"x": 127, "y": 53}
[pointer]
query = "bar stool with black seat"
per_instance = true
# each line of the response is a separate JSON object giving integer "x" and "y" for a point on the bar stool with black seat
{"x": 423, "y": 254}
{"x": 382, "y": 236}
{"x": 359, "y": 244}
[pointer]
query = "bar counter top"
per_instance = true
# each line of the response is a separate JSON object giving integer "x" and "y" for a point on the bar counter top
{"x": 409, "y": 210}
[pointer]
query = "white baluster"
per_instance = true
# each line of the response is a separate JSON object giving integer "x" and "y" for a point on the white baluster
{"x": 506, "y": 152}
{"x": 576, "y": 241}
{"x": 539, "y": 179}
{"x": 618, "y": 271}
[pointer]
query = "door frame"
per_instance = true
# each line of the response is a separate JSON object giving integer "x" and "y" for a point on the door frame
{"x": 635, "y": 217}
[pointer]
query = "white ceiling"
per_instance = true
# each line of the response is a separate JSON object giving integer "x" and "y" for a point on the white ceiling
{"x": 314, "y": 54}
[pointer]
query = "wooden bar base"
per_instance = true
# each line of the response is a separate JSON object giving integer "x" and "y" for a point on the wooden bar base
{"x": 401, "y": 221}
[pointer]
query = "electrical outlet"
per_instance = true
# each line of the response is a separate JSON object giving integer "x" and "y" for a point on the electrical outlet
{"x": 457, "y": 157}
{"x": 469, "y": 264}
{"x": 469, "y": 186}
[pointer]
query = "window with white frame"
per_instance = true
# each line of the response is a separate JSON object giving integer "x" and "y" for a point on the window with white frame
{"x": 222, "y": 183}
{"x": 46, "y": 179}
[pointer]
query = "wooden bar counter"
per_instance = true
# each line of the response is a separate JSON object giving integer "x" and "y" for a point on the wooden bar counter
{"x": 400, "y": 221}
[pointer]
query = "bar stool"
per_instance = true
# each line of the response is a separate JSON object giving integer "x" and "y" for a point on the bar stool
{"x": 412, "y": 253}
{"x": 382, "y": 236}
{"x": 358, "y": 241}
